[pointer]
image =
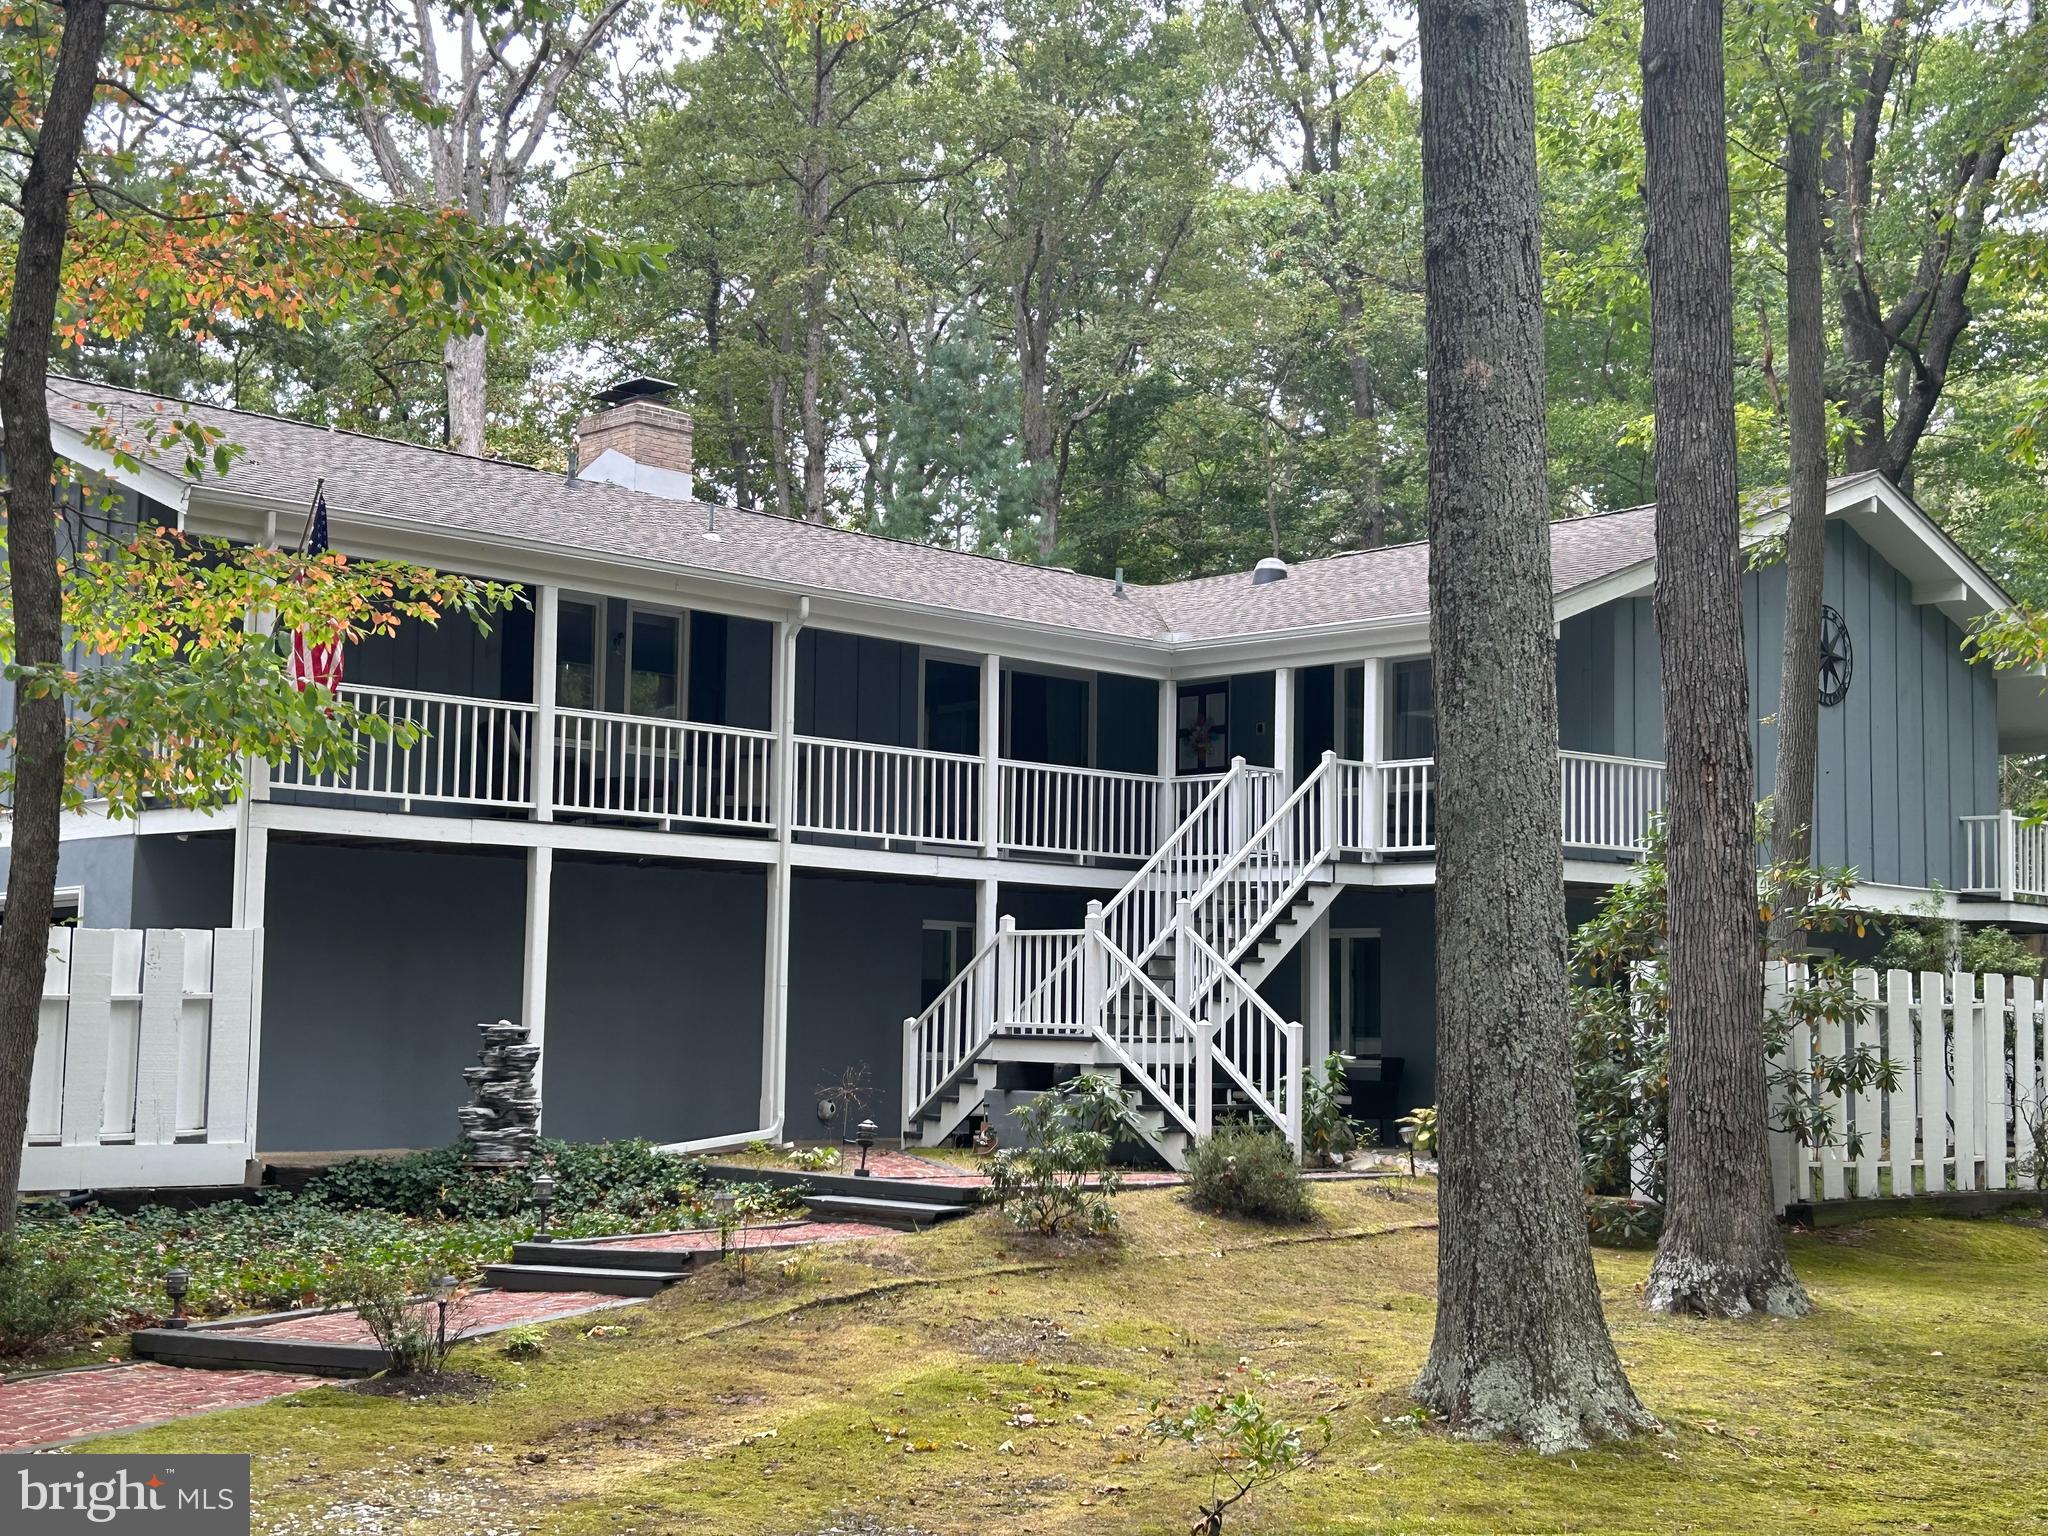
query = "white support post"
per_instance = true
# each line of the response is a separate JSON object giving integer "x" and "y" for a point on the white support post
{"x": 1372, "y": 715}
{"x": 991, "y": 756}
{"x": 1283, "y": 727}
{"x": 1094, "y": 967}
{"x": 1372, "y": 785}
{"x": 1167, "y": 758}
{"x": 1294, "y": 1086}
{"x": 533, "y": 985}
{"x": 775, "y": 993}
{"x": 1331, "y": 839}
{"x": 1239, "y": 796}
{"x": 547, "y": 615}
{"x": 986, "y": 893}
{"x": 1006, "y": 970}
{"x": 1205, "y": 1079}
{"x": 252, "y": 870}
{"x": 1183, "y": 955}
{"x": 1315, "y": 987}
{"x": 910, "y": 1076}
{"x": 2008, "y": 856}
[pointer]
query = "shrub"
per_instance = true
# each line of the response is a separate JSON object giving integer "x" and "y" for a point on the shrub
{"x": 1326, "y": 1131}
{"x": 1243, "y": 1171}
{"x": 522, "y": 1343}
{"x": 1247, "y": 1447}
{"x": 1422, "y": 1121}
{"x": 46, "y": 1299}
{"x": 814, "y": 1159}
{"x": 1058, "y": 1180}
{"x": 1613, "y": 1222}
{"x": 396, "y": 1303}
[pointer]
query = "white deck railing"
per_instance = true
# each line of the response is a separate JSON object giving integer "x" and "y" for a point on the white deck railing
{"x": 1079, "y": 812}
{"x": 2005, "y": 856}
{"x": 1253, "y": 1044}
{"x": 468, "y": 752}
{"x": 143, "y": 1056}
{"x": 897, "y": 793}
{"x": 1608, "y": 803}
{"x": 641, "y": 767}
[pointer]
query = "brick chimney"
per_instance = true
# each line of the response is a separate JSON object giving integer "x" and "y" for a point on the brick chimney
{"x": 637, "y": 441}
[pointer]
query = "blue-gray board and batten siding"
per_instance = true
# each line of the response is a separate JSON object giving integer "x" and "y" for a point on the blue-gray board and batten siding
{"x": 1911, "y": 748}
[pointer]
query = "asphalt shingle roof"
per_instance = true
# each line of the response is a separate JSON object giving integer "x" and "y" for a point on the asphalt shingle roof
{"x": 284, "y": 459}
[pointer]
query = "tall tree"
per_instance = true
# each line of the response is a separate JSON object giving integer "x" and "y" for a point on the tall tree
{"x": 1806, "y": 511}
{"x": 1521, "y": 1350}
{"x": 493, "y": 75}
{"x": 35, "y": 590}
{"x": 1721, "y": 1253}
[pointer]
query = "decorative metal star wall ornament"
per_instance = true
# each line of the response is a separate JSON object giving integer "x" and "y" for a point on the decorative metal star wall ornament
{"x": 1837, "y": 658}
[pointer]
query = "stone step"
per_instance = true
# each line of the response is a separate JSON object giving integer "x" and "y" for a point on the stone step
{"x": 845, "y": 1183}
{"x": 563, "y": 1277}
{"x": 609, "y": 1256}
{"x": 887, "y": 1212}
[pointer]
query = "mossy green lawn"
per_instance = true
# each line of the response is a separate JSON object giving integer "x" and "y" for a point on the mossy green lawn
{"x": 973, "y": 1380}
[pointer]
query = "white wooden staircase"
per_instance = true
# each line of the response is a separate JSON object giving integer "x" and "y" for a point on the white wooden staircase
{"x": 1160, "y": 987}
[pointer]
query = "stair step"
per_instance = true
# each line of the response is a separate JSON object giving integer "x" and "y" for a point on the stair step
{"x": 564, "y": 1277}
{"x": 908, "y": 1214}
{"x": 607, "y": 1256}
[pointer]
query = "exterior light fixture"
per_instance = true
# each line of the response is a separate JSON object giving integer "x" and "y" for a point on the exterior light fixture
{"x": 543, "y": 1197}
{"x": 176, "y": 1283}
{"x": 1408, "y": 1140}
{"x": 722, "y": 1204}
{"x": 864, "y": 1138}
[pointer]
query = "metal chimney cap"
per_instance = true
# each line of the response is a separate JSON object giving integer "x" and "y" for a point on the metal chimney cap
{"x": 1267, "y": 570}
{"x": 640, "y": 387}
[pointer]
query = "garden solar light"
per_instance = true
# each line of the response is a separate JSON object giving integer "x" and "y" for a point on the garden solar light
{"x": 543, "y": 1197}
{"x": 176, "y": 1283}
{"x": 1408, "y": 1140}
{"x": 864, "y": 1136}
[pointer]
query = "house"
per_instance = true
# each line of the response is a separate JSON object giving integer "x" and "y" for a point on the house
{"x": 737, "y": 806}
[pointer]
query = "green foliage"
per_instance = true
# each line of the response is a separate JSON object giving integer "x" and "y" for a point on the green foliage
{"x": 738, "y": 1207}
{"x": 1245, "y": 1171}
{"x": 1614, "y": 1222}
{"x": 1929, "y": 941}
{"x": 396, "y": 1302}
{"x": 1247, "y": 1446}
{"x": 1058, "y": 1181}
{"x": 1621, "y": 999}
{"x": 1327, "y": 1132}
{"x": 46, "y": 1298}
{"x": 607, "y": 1181}
{"x": 1422, "y": 1121}
{"x": 814, "y": 1159}
{"x": 528, "y": 1341}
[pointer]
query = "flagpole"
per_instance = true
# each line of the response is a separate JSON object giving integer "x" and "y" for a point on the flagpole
{"x": 312, "y": 512}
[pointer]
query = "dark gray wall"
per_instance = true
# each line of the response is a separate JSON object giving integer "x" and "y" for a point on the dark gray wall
{"x": 1126, "y": 723}
{"x": 1912, "y": 748}
{"x": 378, "y": 965}
{"x": 856, "y": 688}
{"x": 857, "y": 946}
{"x": 654, "y": 1001}
{"x": 1407, "y": 924}
{"x": 189, "y": 884}
{"x": 453, "y": 656}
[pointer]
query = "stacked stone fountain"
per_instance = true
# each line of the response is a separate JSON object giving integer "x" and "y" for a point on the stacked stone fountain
{"x": 500, "y": 1123}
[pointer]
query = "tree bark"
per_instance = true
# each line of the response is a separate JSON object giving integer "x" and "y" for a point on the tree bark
{"x": 1521, "y": 1349}
{"x": 1807, "y": 503}
{"x": 39, "y": 731}
{"x": 462, "y": 359}
{"x": 1721, "y": 1253}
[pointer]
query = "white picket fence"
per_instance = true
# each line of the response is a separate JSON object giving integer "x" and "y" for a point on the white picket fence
{"x": 1970, "y": 1060}
{"x": 144, "y": 1059}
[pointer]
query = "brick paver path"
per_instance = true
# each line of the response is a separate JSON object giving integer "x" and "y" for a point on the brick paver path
{"x": 70, "y": 1404}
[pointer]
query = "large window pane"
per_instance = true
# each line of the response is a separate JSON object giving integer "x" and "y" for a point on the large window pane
{"x": 576, "y": 657}
{"x": 655, "y": 665}
{"x": 1414, "y": 709}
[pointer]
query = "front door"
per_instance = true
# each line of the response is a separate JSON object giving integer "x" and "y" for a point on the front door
{"x": 1202, "y": 728}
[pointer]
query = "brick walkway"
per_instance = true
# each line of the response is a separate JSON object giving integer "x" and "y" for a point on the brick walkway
{"x": 72, "y": 1404}
{"x": 707, "y": 1241}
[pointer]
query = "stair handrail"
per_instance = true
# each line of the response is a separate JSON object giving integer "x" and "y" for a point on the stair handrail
{"x": 1155, "y": 880}
{"x": 1265, "y": 1060}
{"x": 956, "y": 1033}
{"x": 1112, "y": 971}
{"x": 1318, "y": 785}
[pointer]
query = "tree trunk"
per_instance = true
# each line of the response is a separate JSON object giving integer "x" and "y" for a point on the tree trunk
{"x": 1805, "y": 534}
{"x": 814, "y": 209}
{"x": 1521, "y": 1349}
{"x": 39, "y": 732}
{"x": 462, "y": 359}
{"x": 1721, "y": 1253}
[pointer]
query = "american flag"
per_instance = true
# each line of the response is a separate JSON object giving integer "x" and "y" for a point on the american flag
{"x": 314, "y": 660}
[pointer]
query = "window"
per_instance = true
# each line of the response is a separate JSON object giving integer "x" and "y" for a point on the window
{"x": 1412, "y": 694}
{"x": 654, "y": 665}
{"x": 952, "y": 706}
{"x": 948, "y": 946}
{"x": 1351, "y": 712}
{"x": 1355, "y": 992}
{"x": 1202, "y": 732}
{"x": 576, "y": 657}
{"x": 1048, "y": 719}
